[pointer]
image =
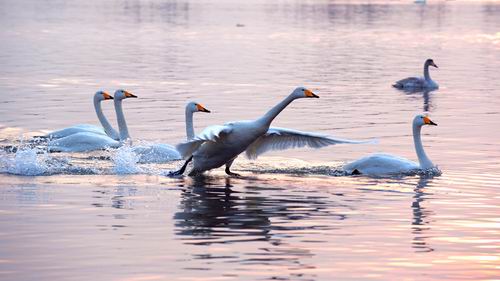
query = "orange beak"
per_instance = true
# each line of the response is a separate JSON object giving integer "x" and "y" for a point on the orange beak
{"x": 428, "y": 121}
{"x": 129, "y": 95}
{"x": 310, "y": 94}
{"x": 107, "y": 96}
{"x": 201, "y": 108}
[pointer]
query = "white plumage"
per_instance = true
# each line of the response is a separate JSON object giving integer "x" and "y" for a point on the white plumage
{"x": 159, "y": 153}
{"x": 105, "y": 130}
{"x": 387, "y": 164}
{"x": 88, "y": 141}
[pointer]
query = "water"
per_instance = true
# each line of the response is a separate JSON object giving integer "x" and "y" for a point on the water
{"x": 293, "y": 215}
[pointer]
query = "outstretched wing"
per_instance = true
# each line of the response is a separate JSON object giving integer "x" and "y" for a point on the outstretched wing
{"x": 211, "y": 133}
{"x": 282, "y": 138}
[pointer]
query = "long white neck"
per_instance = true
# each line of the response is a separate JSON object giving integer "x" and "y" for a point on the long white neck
{"x": 104, "y": 121}
{"x": 273, "y": 112}
{"x": 427, "y": 76}
{"x": 189, "y": 124}
{"x": 122, "y": 125}
{"x": 423, "y": 160}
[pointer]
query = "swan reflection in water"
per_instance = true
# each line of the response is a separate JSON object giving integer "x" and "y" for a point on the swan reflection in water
{"x": 421, "y": 216}
{"x": 426, "y": 94}
{"x": 217, "y": 214}
{"x": 273, "y": 219}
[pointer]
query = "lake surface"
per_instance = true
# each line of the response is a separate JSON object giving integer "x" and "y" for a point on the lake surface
{"x": 292, "y": 216}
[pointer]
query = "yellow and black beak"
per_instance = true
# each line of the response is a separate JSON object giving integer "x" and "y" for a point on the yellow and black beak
{"x": 201, "y": 108}
{"x": 428, "y": 121}
{"x": 310, "y": 94}
{"x": 129, "y": 95}
{"x": 107, "y": 96}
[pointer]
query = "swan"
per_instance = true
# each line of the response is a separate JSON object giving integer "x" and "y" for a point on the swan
{"x": 158, "y": 153}
{"x": 220, "y": 145}
{"x": 413, "y": 83}
{"x": 88, "y": 141}
{"x": 106, "y": 128}
{"x": 386, "y": 164}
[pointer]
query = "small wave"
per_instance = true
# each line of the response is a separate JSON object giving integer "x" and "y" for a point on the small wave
{"x": 296, "y": 168}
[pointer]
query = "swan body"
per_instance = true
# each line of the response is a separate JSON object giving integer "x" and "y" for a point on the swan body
{"x": 159, "y": 153}
{"x": 387, "y": 164}
{"x": 106, "y": 128}
{"x": 89, "y": 141}
{"x": 156, "y": 153}
{"x": 220, "y": 145}
{"x": 415, "y": 83}
{"x": 82, "y": 141}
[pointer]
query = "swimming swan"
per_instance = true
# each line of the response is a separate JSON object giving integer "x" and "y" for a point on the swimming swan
{"x": 386, "y": 164}
{"x": 219, "y": 145}
{"x": 158, "y": 153}
{"x": 105, "y": 130}
{"x": 414, "y": 83}
{"x": 87, "y": 141}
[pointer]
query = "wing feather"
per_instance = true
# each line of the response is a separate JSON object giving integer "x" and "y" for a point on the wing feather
{"x": 282, "y": 139}
{"x": 211, "y": 133}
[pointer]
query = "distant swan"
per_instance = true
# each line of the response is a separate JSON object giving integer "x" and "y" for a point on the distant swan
{"x": 158, "y": 153}
{"x": 220, "y": 145}
{"x": 105, "y": 130}
{"x": 386, "y": 164}
{"x": 414, "y": 83}
{"x": 87, "y": 141}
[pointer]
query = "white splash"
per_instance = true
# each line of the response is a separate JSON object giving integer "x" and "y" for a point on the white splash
{"x": 125, "y": 161}
{"x": 25, "y": 162}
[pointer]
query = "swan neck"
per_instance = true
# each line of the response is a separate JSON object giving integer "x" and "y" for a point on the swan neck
{"x": 427, "y": 76}
{"x": 273, "y": 112}
{"x": 189, "y": 124}
{"x": 423, "y": 160}
{"x": 108, "y": 129}
{"x": 122, "y": 125}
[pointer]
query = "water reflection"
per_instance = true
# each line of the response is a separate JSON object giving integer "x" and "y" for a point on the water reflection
{"x": 421, "y": 221}
{"x": 426, "y": 95}
{"x": 212, "y": 211}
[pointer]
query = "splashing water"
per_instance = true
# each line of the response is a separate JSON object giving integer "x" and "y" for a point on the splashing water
{"x": 125, "y": 161}
{"x": 25, "y": 162}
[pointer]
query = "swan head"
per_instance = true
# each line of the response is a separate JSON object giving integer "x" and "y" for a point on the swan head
{"x": 421, "y": 120}
{"x": 123, "y": 94}
{"x": 431, "y": 62}
{"x": 302, "y": 92}
{"x": 102, "y": 95}
{"x": 196, "y": 107}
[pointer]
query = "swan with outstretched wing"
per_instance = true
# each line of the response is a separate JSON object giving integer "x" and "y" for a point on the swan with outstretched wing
{"x": 220, "y": 145}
